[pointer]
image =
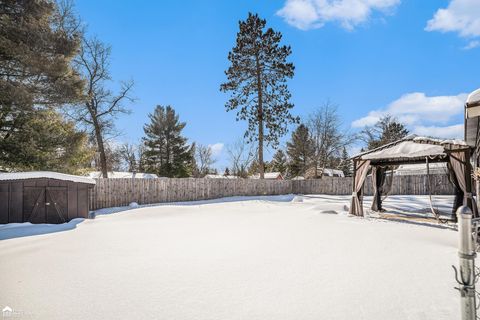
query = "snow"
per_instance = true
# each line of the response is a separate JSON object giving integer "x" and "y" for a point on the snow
{"x": 123, "y": 175}
{"x": 473, "y": 97}
{"x": 44, "y": 174}
{"x": 133, "y": 205}
{"x": 472, "y": 103}
{"x": 220, "y": 176}
{"x": 298, "y": 178}
{"x": 412, "y": 146}
{"x": 284, "y": 257}
{"x": 406, "y": 149}
{"x": 440, "y": 141}
{"x": 333, "y": 172}
{"x": 268, "y": 176}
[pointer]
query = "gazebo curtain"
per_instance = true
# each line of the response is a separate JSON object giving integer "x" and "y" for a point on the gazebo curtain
{"x": 378, "y": 180}
{"x": 361, "y": 168}
{"x": 458, "y": 200}
{"x": 460, "y": 164}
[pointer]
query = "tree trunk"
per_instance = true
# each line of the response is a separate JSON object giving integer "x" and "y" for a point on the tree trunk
{"x": 101, "y": 148}
{"x": 261, "y": 167}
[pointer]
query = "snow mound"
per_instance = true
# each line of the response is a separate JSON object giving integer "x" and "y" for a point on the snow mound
{"x": 18, "y": 230}
{"x": 297, "y": 199}
{"x": 133, "y": 205}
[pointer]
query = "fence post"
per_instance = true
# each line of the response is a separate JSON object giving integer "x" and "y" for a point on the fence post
{"x": 466, "y": 275}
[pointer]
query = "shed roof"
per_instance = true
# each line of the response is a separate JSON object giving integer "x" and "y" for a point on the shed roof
{"x": 412, "y": 148}
{"x": 44, "y": 175}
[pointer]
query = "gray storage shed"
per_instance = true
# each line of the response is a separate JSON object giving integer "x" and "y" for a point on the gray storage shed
{"x": 43, "y": 197}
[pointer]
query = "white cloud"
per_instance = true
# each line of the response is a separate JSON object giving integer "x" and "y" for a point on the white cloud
{"x": 311, "y": 14}
{"x": 216, "y": 148}
{"x": 472, "y": 44}
{"x": 417, "y": 109}
{"x": 461, "y": 16}
{"x": 453, "y": 132}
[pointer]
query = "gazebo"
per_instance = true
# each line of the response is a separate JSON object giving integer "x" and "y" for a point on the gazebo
{"x": 411, "y": 150}
{"x": 472, "y": 130}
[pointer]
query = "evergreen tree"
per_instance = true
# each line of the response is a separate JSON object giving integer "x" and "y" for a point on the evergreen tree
{"x": 167, "y": 152}
{"x": 300, "y": 150}
{"x": 193, "y": 170}
{"x": 37, "y": 45}
{"x": 141, "y": 157}
{"x": 279, "y": 162}
{"x": 254, "y": 168}
{"x": 386, "y": 130}
{"x": 46, "y": 142}
{"x": 257, "y": 79}
{"x": 345, "y": 163}
{"x": 227, "y": 172}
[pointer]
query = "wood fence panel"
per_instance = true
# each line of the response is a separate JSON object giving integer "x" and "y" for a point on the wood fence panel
{"x": 122, "y": 192}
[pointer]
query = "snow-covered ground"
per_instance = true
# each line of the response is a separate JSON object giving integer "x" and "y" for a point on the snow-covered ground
{"x": 262, "y": 258}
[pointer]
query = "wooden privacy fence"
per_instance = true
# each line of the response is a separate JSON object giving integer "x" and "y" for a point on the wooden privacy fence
{"x": 121, "y": 192}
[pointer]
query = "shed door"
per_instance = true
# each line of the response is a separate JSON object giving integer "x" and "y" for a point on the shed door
{"x": 56, "y": 204}
{"x": 34, "y": 210}
{"x": 45, "y": 204}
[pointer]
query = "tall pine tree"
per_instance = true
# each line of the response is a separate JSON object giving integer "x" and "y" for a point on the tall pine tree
{"x": 166, "y": 150}
{"x": 257, "y": 80}
{"x": 300, "y": 150}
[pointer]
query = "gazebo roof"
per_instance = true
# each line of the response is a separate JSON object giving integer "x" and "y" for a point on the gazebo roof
{"x": 472, "y": 121}
{"x": 412, "y": 149}
{"x": 473, "y": 98}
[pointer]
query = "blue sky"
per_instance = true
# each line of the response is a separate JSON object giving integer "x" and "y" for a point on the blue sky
{"x": 414, "y": 59}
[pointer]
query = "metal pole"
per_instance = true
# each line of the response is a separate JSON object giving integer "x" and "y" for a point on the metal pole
{"x": 466, "y": 253}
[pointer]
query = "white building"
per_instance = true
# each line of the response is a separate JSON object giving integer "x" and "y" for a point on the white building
{"x": 326, "y": 172}
{"x": 333, "y": 173}
{"x": 421, "y": 169}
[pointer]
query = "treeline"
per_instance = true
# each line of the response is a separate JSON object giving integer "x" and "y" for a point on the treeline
{"x": 56, "y": 109}
{"x": 58, "y": 112}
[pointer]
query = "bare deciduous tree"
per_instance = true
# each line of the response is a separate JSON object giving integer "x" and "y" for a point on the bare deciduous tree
{"x": 128, "y": 154}
{"x": 329, "y": 139}
{"x": 204, "y": 158}
{"x": 241, "y": 155}
{"x": 100, "y": 105}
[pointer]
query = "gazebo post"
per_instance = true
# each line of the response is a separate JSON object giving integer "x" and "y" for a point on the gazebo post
{"x": 468, "y": 177}
{"x": 354, "y": 193}
{"x": 477, "y": 181}
{"x": 378, "y": 180}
